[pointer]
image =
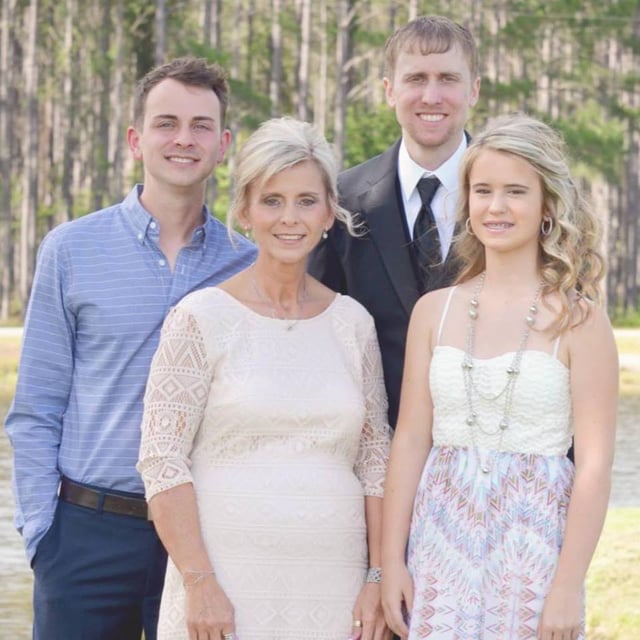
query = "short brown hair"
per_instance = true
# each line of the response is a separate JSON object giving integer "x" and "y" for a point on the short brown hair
{"x": 430, "y": 34}
{"x": 190, "y": 71}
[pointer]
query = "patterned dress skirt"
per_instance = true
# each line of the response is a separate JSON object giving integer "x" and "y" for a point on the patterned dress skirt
{"x": 483, "y": 547}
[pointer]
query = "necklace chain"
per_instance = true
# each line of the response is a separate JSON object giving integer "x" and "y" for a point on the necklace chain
{"x": 291, "y": 322}
{"x": 512, "y": 371}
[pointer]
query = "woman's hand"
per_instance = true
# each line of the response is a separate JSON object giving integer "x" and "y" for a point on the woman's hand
{"x": 397, "y": 593}
{"x": 209, "y": 613}
{"x": 368, "y": 611}
{"x": 561, "y": 617}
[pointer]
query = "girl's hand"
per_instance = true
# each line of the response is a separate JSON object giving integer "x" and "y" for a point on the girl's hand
{"x": 561, "y": 617}
{"x": 397, "y": 593}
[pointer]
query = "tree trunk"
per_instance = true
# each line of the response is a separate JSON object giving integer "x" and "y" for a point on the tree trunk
{"x": 70, "y": 107}
{"x": 342, "y": 79}
{"x": 211, "y": 23}
{"x": 320, "y": 95}
{"x": 7, "y": 111}
{"x": 100, "y": 177}
{"x": 117, "y": 108}
{"x": 275, "y": 76}
{"x": 161, "y": 31}
{"x": 30, "y": 152}
{"x": 303, "y": 60}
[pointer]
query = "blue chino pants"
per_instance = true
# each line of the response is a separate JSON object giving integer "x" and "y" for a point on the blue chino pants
{"x": 98, "y": 576}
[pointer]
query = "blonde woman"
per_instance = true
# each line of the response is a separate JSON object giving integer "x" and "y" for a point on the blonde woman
{"x": 264, "y": 439}
{"x": 502, "y": 370}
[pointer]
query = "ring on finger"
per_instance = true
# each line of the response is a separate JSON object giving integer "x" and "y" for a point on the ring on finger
{"x": 357, "y": 623}
{"x": 229, "y": 636}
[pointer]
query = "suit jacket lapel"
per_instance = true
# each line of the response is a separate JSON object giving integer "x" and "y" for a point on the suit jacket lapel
{"x": 384, "y": 221}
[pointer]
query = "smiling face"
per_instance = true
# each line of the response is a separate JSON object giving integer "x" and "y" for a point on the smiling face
{"x": 506, "y": 202}
{"x": 289, "y": 213}
{"x": 431, "y": 95}
{"x": 180, "y": 139}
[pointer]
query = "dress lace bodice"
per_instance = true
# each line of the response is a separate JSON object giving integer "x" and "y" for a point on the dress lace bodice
{"x": 541, "y": 413}
{"x": 228, "y": 384}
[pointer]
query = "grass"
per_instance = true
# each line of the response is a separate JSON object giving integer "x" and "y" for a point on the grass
{"x": 613, "y": 581}
{"x": 9, "y": 355}
{"x": 628, "y": 341}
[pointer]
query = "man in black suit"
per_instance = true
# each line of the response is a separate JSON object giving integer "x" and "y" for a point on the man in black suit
{"x": 432, "y": 81}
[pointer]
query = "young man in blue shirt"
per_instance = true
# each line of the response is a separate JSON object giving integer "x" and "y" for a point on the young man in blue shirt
{"x": 102, "y": 288}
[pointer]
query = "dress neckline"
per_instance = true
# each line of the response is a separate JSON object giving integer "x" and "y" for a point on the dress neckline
{"x": 506, "y": 354}
{"x": 301, "y": 321}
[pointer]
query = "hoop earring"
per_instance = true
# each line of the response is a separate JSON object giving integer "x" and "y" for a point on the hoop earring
{"x": 546, "y": 227}
{"x": 467, "y": 226}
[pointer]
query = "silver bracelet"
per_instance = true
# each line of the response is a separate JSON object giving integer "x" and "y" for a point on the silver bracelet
{"x": 374, "y": 574}
{"x": 198, "y": 576}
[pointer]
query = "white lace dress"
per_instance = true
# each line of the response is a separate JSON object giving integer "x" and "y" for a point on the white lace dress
{"x": 283, "y": 433}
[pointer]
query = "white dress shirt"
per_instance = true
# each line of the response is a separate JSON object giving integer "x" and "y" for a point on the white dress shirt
{"x": 444, "y": 202}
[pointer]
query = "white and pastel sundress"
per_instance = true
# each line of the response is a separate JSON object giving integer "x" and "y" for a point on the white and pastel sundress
{"x": 488, "y": 522}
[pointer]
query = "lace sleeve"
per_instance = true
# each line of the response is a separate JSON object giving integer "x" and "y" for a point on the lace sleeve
{"x": 174, "y": 403}
{"x": 373, "y": 454}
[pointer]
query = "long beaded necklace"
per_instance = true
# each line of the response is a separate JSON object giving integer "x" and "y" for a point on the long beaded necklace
{"x": 512, "y": 371}
{"x": 290, "y": 322}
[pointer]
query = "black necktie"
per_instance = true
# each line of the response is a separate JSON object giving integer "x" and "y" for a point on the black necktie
{"x": 426, "y": 240}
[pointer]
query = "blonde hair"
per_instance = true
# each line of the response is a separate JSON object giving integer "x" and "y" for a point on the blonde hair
{"x": 279, "y": 144}
{"x": 571, "y": 261}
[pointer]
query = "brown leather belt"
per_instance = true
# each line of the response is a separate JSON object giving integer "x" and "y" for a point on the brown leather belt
{"x": 83, "y": 496}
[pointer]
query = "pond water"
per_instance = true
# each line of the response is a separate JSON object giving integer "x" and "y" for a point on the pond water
{"x": 15, "y": 576}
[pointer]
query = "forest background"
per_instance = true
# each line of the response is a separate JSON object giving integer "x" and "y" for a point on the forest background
{"x": 68, "y": 69}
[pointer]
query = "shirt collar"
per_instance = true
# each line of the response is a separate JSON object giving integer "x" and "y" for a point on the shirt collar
{"x": 145, "y": 225}
{"x": 410, "y": 172}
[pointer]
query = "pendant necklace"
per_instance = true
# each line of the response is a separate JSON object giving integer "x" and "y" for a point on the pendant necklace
{"x": 505, "y": 394}
{"x": 290, "y": 322}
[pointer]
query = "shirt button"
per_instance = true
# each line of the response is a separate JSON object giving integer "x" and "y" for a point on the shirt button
{"x": 161, "y": 263}
{"x": 140, "y": 236}
{"x": 152, "y": 225}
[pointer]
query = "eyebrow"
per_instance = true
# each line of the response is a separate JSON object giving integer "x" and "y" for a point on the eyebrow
{"x": 510, "y": 185}
{"x": 170, "y": 116}
{"x": 265, "y": 194}
{"x": 439, "y": 74}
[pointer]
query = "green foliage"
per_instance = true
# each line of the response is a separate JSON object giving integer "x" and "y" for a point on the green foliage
{"x": 247, "y": 106}
{"x": 368, "y": 133}
{"x": 516, "y": 91}
{"x": 626, "y": 317}
{"x": 221, "y": 203}
{"x": 595, "y": 140}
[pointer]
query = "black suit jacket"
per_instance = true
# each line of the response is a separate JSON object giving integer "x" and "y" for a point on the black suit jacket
{"x": 378, "y": 268}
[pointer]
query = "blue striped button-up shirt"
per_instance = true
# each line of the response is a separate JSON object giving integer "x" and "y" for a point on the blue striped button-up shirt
{"x": 101, "y": 291}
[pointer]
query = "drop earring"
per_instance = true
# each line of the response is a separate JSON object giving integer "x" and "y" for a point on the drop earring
{"x": 325, "y": 235}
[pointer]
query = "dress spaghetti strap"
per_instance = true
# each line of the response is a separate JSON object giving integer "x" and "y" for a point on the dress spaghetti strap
{"x": 444, "y": 314}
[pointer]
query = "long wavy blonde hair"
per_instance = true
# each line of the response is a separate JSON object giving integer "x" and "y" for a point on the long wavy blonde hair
{"x": 571, "y": 263}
